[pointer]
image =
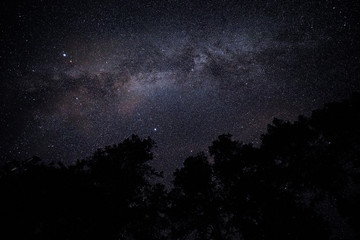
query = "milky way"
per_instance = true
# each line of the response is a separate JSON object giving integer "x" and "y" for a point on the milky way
{"x": 78, "y": 76}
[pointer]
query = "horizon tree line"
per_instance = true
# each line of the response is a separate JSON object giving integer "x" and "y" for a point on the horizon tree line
{"x": 302, "y": 182}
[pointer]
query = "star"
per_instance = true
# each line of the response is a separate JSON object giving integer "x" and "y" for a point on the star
{"x": 197, "y": 80}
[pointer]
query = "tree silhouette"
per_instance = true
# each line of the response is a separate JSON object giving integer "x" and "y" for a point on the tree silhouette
{"x": 316, "y": 159}
{"x": 194, "y": 210}
{"x": 121, "y": 175}
{"x": 106, "y": 196}
{"x": 302, "y": 182}
{"x": 236, "y": 173}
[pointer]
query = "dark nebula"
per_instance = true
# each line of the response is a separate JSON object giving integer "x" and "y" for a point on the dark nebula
{"x": 79, "y": 75}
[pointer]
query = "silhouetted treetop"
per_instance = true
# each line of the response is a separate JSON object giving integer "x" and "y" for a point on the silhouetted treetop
{"x": 302, "y": 182}
{"x": 195, "y": 175}
{"x": 127, "y": 162}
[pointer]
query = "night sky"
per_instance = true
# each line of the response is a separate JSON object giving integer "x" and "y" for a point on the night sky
{"x": 80, "y": 75}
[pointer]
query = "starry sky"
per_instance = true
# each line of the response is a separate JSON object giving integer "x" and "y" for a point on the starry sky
{"x": 80, "y": 75}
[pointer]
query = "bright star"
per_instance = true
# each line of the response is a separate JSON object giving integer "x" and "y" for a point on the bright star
{"x": 64, "y": 54}
{"x": 155, "y": 129}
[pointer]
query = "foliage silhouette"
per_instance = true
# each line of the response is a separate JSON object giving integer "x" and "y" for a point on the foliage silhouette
{"x": 105, "y": 196}
{"x": 194, "y": 210}
{"x": 302, "y": 182}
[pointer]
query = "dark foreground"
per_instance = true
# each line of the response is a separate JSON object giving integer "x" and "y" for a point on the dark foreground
{"x": 301, "y": 183}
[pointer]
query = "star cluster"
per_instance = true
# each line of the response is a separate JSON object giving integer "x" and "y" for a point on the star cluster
{"x": 79, "y": 76}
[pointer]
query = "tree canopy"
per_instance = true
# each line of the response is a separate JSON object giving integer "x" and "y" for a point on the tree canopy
{"x": 302, "y": 182}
